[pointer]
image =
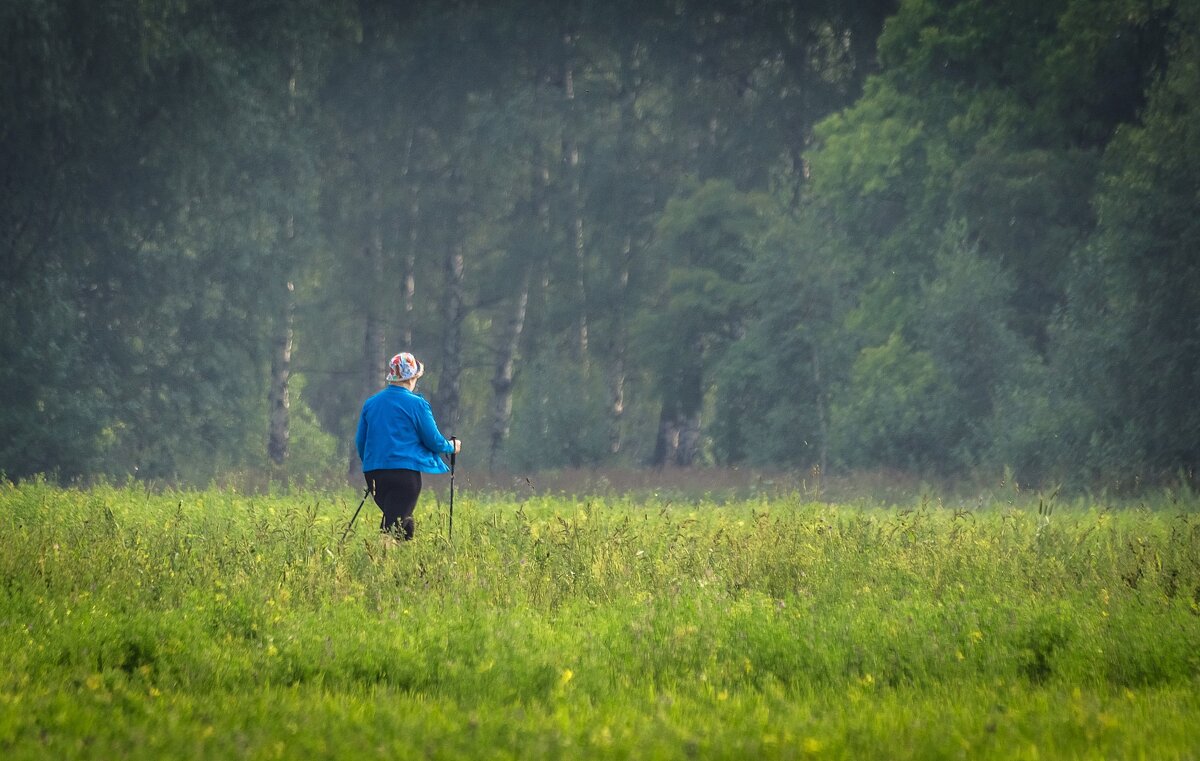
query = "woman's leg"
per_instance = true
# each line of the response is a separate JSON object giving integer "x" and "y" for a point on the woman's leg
{"x": 406, "y": 499}
{"x": 396, "y": 492}
{"x": 380, "y": 485}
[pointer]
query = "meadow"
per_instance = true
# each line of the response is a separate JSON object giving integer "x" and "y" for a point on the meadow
{"x": 216, "y": 624}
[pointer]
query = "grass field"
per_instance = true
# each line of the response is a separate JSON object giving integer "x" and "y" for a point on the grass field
{"x": 216, "y": 625}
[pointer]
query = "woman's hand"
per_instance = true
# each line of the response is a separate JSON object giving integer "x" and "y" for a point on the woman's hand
{"x": 456, "y": 443}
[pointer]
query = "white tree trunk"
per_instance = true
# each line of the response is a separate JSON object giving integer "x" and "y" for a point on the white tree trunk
{"x": 281, "y": 370}
{"x": 449, "y": 393}
{"x": 502, "y": 380}
{"x": 616, "y": 373}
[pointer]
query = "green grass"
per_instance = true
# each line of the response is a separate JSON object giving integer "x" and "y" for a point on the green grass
{"x": 216, "y": 625}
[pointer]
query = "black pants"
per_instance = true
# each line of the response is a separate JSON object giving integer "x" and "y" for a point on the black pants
{"x": 396, "y": 492}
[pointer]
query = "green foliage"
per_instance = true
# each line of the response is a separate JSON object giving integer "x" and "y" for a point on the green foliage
{"x": 1112, "y": 394}
{"x": 965, "y": 321}
{"x": 211, "y": 623}
{"x": 1008, "y": 255}
{"x": 892, "y": 408}
{"x": 56, "y": 411}
{"x": 705, "y": 241}
{"x": 314, "y": 451}
{"x": 952, "y": 241}
{"x": 557, "y": 419}
{"x": 773, "y": 403}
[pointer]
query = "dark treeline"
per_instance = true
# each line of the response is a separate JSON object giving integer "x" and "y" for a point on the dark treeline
{"x": 942, "y": 237}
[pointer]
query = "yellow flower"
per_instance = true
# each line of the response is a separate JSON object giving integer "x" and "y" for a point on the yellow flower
{"x": 566, "y": 676}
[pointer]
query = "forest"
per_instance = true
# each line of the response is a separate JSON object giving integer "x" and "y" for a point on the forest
{"x": 939, "y": 237}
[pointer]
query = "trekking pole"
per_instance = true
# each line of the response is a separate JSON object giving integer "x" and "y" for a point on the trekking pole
{"x": 360, "y": 504}
{"x": 453, "y": 455}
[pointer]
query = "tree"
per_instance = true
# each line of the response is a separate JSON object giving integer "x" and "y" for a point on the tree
{"x": 774, "y": 404}
{"x": 704, "y": 240}
{"x": 965, "y": 176}
{"x": 1128, "y": 343}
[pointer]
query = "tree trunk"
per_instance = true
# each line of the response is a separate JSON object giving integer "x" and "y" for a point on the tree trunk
{"x": 666, "y": 442}
{"x": 449, "y": 391}
{"x": 278, "y": 401}
{"x": 502, "y": 381}
{"x": 689, "y": 439}
{"x": 374, "y": 339}
{"x": 581, "y": 285}
{"x": 678, "y": 440}
{"x": 631, "y": 81}
{"x": 281, "y": 370}
{"x": 571, "y": 154}
{"x": 373, "y": 361}
{"x": 408, "y": 275}
{"x": 410, "y": 256}
{"x": 410, "y": 278}
{"x": 616, "y": 372}
{"x": 822, "y": 412}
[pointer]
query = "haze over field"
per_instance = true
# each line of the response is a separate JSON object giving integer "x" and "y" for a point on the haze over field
{"x": 937, "y": 238}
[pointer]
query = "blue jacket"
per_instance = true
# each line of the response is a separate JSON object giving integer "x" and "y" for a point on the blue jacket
{"x": 396, "y": 430}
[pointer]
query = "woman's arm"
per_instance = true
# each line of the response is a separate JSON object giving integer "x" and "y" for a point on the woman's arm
{"x": 428, "y": 432}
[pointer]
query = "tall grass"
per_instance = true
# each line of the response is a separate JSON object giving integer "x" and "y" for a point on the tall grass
{"x": 212, "y": 624}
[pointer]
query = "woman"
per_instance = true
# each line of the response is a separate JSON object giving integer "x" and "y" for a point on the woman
{"x": 397, "y": 441}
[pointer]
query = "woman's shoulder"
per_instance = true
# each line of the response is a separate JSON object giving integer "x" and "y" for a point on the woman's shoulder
{"x": 413, "y": 399}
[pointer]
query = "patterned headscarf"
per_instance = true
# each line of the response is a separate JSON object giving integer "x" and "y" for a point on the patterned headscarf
{"x": 404, "y": 366}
